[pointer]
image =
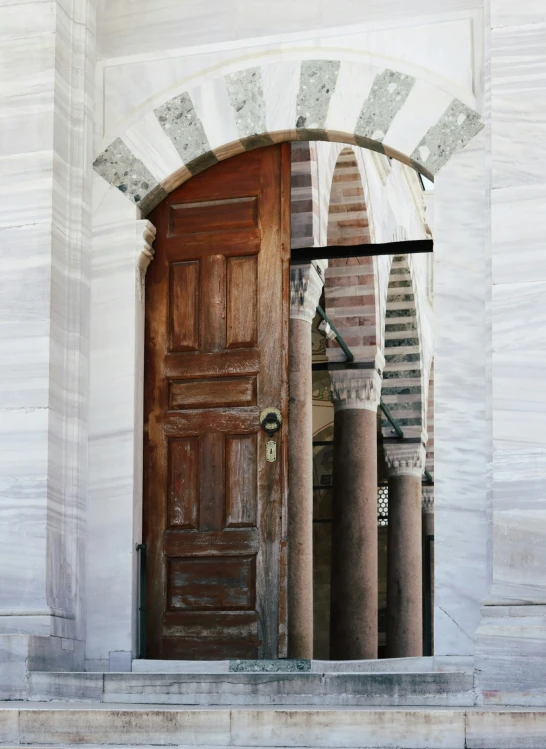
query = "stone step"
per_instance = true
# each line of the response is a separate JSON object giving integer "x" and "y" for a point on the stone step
{"x": 59, "y": 725}
{"x": 264, "y": 688}
{"x": 385, "y": 665}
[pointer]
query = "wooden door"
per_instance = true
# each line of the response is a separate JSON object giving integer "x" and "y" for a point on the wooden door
{"x": 215, "y": 356}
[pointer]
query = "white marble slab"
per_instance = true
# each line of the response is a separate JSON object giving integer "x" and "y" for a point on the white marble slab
{"x": 516, "y": 234}
{"x": 353, "y": 86}
{"x": 214, "y": 109}
{"x": 461, "y": 439}
{"x": 281, "y": 84}
{"x": 518, "y": 105}
{"x": 148, "y": 141}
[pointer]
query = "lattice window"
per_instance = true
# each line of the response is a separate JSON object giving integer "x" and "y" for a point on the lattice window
{"x": 382, "y": 505}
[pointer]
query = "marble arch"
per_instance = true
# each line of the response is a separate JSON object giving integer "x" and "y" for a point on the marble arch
{"x": 377, "y": 108}
{"x": 162, "y": 148}
{"x": 402, "y": 390}
{"x": 351, "y": 285}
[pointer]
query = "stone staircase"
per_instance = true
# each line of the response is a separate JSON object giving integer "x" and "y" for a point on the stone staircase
{"x": 256, "y": 688}
{"x": 248, "y": 704}
{"x": 62, "y": 725}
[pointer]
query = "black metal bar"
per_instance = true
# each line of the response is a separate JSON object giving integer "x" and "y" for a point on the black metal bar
{"x": 339, "y": 339}
{"x": 141, "y": 549}
{"x": 394, "y": 424}
{"x": 410, "y": 246}
{"x": 323, "y": 443}
{"x": 428, "y": 578}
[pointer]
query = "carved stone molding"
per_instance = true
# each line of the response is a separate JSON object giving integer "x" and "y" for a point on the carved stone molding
{"x": 405, "y": 459}
{"x": 145, "y": 235}
{"x": 306, "y": 282}
{"x": 355, "y": 389}
{"x": 428, "y": 498}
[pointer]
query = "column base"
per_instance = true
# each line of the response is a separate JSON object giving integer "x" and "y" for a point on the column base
{"x": 510, "y": 655}
{"x": 20, "y": 654}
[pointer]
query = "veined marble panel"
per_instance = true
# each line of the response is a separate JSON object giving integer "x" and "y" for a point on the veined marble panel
{"x": 461, "y": 439}
{"x": 25, "y": 189}
{"x": 214, "y": 109}
{"x": 508, "y": 13}
{"x": 146, "y": 28}
{"x": 518, "y": 238}
{"x": 518, "y": 95}
{"x": 23, "y": 510}
{"x": 113, "y": 429}
{"x": 353, "y": 87}
{"x": 281, "y": 85}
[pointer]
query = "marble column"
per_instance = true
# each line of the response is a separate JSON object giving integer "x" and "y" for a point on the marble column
{"x": 354, "y": 583}
{"x": 405, "y": 465}
{"x": 306, "y": 283}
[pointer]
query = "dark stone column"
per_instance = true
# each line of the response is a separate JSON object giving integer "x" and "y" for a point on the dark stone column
{"x": 405, "y": 463}
{"x": 306, "y": 288}
{"x": 353, "y": 607}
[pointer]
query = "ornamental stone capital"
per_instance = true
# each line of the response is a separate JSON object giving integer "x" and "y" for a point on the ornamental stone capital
{"x": 428, "y": 499}
{"x": 355, "y": 389}
{"x": 405, "y": 458}
{"x": 306, "y": 282}
{"x": 145, "y": 235}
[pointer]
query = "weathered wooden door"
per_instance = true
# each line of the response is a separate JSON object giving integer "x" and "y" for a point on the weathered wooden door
{"x": 216, "y": 355}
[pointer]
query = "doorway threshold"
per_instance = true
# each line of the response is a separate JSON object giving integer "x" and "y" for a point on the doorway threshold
{"x": 285, "y": 665}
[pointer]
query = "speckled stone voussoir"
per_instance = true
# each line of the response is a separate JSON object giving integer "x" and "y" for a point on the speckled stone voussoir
{"x": 118, "y": 165}
{"x": 246, "y": 96}
{"x": 388, "y": 94}
{"x": 270, "y": 666}
{"x": 318, "y": 80}
{"x": 453, "y": 131}
{"x": 181, "y": 123}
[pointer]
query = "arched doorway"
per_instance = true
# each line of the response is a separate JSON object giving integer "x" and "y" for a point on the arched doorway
{"x": 215, "y": 360}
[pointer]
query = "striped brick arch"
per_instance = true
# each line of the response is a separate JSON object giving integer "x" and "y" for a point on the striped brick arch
{"x": 192, "y": 128}
{"x": 304, "y": 195}
{"x": 430, "y": 423}
{"x": 402, "y": 389}
{"x": 350, "y": 287}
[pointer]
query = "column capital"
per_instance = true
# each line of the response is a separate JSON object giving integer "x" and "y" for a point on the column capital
{"x": 405, "y": 458}
{"x": 306, "y": 282}
{"x": 355, "y": 389}
{"x": 145, "y": 235}
{"x": 428, "y": 498}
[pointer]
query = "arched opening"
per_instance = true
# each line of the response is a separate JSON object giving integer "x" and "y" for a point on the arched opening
{"x": 115, "y": 170}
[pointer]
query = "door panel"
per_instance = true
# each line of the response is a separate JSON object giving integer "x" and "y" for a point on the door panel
{"x": 216, "y": 355}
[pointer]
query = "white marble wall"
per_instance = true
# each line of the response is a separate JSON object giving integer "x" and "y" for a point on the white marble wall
{"x": 47, "y": 52}
{"x": 146, "y": 58}
{"x": 512, "y": 637}
{"x": 460, "y": 366}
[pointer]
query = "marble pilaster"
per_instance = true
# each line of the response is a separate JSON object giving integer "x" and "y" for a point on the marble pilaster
{"x": 122, "y": 250}
{"x": 46, "y": 221}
